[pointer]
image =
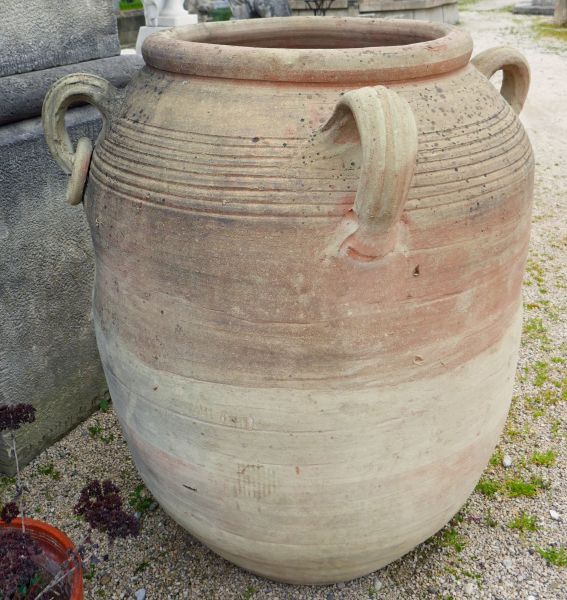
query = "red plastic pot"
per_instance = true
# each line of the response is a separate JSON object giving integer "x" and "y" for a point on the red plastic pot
{"x": 56, "y": 545}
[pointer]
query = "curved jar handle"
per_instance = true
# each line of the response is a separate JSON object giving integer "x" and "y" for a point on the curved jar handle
{"x": 516, "y": 73}
{"x": 78, "y": 87}
{"x": 385, "y": 127}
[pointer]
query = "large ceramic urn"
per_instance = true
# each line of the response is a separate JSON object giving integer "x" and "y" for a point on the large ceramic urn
{"x": 310, "y": 235}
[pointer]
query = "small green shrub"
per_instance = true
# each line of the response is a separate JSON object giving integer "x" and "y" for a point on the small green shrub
{"x": 534, "y": 329}
{"x": 523, "y": 522}
{"x": 131, "y": 4}
{"x": 6, "y": 483}
{"x": 547, "y": 29}
{"x": 248, "y": 593}
{"x": 544, "y": 459}
{"x": 554, "y": 556}
{"x": 496, "y": 458}
{"x": 140, "y": 499}
{"x": 49, "y": 471}
{"x": 450, "y": 537}
{"x": 518, "y": 487}
{"x": 141, "y": 567}
{"x": 90, "y": 572}
{"x": 95, "y": 430}
{"x": 555, "y": 428}
{"x": 221, "y": 14}
{"x": 541, "y": 373}
{"x": 489, "y": 520}
{"x": 487, "y": 487}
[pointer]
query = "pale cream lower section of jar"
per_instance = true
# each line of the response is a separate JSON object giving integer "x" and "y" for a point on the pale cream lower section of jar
{"x": 312, "y": 486}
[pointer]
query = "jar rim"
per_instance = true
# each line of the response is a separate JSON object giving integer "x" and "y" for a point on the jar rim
{"x": 317, "y": 49}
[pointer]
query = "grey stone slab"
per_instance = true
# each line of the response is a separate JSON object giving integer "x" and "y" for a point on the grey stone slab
{"x": 444, "y": 14}
{"x": 451, "y": 14}
{"x": 533, "y": 8}
{"x": 39, "y": 34}
{"x": 48, "y": 353}
{"x": 21, "y": 96}
{"x": 399, "y": 5}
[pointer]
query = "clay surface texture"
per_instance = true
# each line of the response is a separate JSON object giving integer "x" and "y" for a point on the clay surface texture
{"x": 310, "y": 237}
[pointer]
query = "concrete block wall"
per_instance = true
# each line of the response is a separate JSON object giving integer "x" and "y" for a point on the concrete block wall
{"x": 39, "y": 34}
{"x": 48, "y": 353}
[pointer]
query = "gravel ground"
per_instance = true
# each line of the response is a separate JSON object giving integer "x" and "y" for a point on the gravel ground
{"x": 478, "y": 555}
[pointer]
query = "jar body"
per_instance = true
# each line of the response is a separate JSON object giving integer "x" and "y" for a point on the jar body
{"x": 309, "y": 416}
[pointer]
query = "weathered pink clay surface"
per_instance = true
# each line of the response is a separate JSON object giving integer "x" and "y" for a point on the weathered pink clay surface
{"x": 310, "y": 239}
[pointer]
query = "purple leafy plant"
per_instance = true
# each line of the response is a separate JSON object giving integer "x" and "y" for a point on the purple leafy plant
{"x": 13, "y": 416}
{"x": 9, "y": 512}
{"x": 18, "y": 562}
{"x": 101, "y": 505}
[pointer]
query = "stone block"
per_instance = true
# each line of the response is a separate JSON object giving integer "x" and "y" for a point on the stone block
{"x": 535, "y": 7}
{"x": 451, "y": 13}
{"x": 442, "y": 11}
{"x": 39, "y": 34}
{"x": 21, "y": 96}
{"x": 48, "y": 354}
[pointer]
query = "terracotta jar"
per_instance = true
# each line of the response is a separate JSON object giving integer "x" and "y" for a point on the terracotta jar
{"x": 310, "y": 236}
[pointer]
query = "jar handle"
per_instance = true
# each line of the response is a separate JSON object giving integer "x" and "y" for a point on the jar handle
{"x": 515, "y": 69}
{"x": 78, "y": 87}
{"x": 382, "y": 123}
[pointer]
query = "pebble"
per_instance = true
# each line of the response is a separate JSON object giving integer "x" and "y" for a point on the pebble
{"x": 530, "y": 597}
{"x": 469, "y": 589}
{"x": 341, "y": 585}
{"x": 377, "y": 585}
{"x": 330, "y": 596}
{"x": 507, "y": 461}
{"x": 141, "y": 594}
{"x": 554, "y": 515}
{"x": 507, "y": 562}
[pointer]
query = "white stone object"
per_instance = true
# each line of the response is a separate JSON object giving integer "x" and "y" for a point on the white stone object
{"x": 469, "y": 589}
{"x": 166, "y": 13}
{"x": 554, "y": 515}
{"x": 507, "y": 461}
{"x": 173, "y": 14}
{"x": 152, "y": 8}
{"x": 161, "y": 15}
